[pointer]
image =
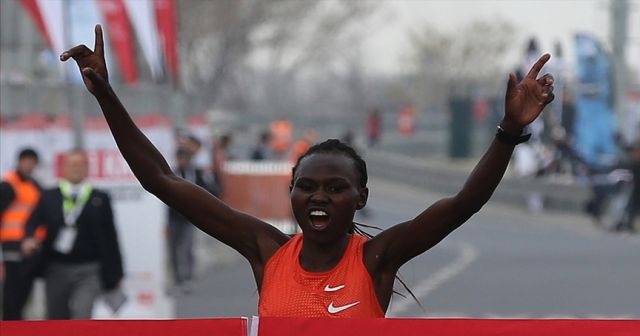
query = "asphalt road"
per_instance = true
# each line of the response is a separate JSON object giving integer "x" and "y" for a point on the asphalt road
{"x": 502, "y": 263}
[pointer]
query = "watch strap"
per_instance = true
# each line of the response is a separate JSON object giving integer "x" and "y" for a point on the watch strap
{"x": 510, "y": 139}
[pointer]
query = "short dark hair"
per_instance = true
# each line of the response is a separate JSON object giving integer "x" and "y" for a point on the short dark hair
{"x": 28, "y": 153}
{"x": 335, "y": 146}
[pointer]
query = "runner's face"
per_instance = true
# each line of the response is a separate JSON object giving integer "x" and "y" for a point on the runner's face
{"x": 326, "y": 193}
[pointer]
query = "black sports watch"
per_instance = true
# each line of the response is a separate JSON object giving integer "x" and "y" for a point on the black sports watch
{"x": 510, "y": 139}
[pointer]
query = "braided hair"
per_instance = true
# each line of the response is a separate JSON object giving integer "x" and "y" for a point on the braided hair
{"x": 335, "y": 146}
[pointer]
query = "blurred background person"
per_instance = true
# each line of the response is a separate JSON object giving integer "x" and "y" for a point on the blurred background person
{"x": 191, "y": 145}
{"x": 221, "y": 153}
{"x": 374, "y": 128}
{"x": 628, "y": 223}
{"x": 301, "y": 146}
{"x": 406, "y": 121}
{"x": 180, "y": 232}
{"x": 281, "y": 135}
{"x": 348, "y": 137}
{"x": 19, "y": 194}
{"x": 81, "y": 250}
{"x": 557, "y": 67}
{"x": 261, "y": 150}
{"x": 200, "y": 157}
{"x": 186, "y": 140}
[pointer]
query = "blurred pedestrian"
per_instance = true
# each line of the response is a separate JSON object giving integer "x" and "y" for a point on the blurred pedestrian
{"x": 281, "y": 136}
{"x": 184, "y": 139}
{"x": 634, "y": 204}
{"x": 198, "y": 156}
{"x": 406, "y": 121}
{"x": 374, "y": 128}
{"x": 349, "y": 138}
{"x": 261, "y": 150}
{"x": 81, "y": 250}
{"x": 558, "y": 67}
{"x": 301, "y": 146}
{"x": 221, "y": 153}
{"x": 19, "y": 194}
{"x": 327, "y": 270}
{"x": 180, "y": 232}
{"x": 190, "y": 145}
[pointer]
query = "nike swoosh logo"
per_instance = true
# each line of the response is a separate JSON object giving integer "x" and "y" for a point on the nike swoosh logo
{"x": 328, "y": 288}
{"x": 334, "y": 310}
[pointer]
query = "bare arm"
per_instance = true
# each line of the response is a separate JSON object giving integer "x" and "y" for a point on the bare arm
{"x": 253, "y": 238}
{"x": 524, "y": 103}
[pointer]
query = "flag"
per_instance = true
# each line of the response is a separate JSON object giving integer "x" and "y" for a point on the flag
{"x": 166, "y": 20}
{"x": 146, "y": 31}
{"x": 121, "y": 38}
{"x": 67, "y": 23}
{"x": 594, "y": 121}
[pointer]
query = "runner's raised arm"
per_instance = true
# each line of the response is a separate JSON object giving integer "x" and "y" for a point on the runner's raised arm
{"x": 524, "y": 102}
{"x": 253, "y": 238}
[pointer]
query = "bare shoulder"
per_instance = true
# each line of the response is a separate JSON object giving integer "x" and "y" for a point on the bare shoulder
{"x": 378, "y": 251}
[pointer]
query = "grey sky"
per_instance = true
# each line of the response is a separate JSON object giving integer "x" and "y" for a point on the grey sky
{"x": 548, "y": 20}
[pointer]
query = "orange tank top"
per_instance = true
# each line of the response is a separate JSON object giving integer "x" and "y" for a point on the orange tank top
{"x": 344, "y": 291}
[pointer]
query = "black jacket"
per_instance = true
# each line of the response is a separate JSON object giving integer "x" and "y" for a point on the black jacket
{"x": 96, "y": 239}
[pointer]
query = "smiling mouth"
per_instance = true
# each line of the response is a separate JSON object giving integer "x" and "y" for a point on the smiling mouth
{"x": 319, "y": 219}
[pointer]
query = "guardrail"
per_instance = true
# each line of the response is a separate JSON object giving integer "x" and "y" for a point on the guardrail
{"x": 448, "y": 178}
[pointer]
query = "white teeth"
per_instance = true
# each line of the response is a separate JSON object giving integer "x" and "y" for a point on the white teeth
{"x": 318, "y": 213}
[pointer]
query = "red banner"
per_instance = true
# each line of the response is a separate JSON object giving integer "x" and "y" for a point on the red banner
{"x": 186, "y": 327}
{"x": 103, "y": 165}
{"x": 121, "y": 37}
{"x": 166, "y": 20}
{"x": 446, "y": 327}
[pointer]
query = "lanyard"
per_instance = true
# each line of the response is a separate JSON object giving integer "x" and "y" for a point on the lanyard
{"x": 72, "y": 208}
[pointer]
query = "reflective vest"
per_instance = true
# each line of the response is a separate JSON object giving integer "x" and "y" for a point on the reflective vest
{"x": 298, "y": 150}
{"x": 16, "y": 215}
{"x": 281, "y": 131}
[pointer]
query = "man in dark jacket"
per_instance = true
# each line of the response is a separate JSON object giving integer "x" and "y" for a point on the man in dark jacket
{"x": 180, "y": 232}
{"x": 81, "y": 250}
